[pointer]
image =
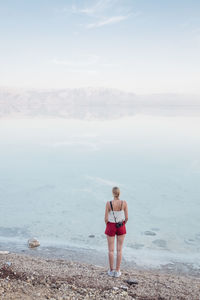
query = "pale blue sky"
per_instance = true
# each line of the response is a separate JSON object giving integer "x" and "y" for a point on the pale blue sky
{"x": 143, "y": 46}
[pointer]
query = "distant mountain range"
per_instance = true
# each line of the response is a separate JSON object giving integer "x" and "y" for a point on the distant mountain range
{"x": 87, "y": 103}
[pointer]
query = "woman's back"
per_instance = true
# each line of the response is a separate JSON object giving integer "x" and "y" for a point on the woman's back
{"x": 117, "y": 205}
{"x": 118, "y": 214}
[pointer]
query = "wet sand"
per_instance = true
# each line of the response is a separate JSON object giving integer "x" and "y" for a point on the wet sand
{"x": 24, "y": 276}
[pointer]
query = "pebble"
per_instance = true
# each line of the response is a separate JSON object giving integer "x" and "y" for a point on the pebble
{"x": 160, "y": 243}
{"x": 91, "y": 236}
{"x": 4, "y": 252}
{"x": 32, "y": 243}
{"x": 148, "y": 232}
{"x": 124, "y": 287}
{"x": 124, "y": 293}
{"x": 131, "y": 281}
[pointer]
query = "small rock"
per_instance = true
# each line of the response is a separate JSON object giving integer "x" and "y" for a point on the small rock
{"x": 91, "y": 236}
{"x": 4, "y": 252}
{"x": 124, "y": 287}
{"x": 124, "y": 293}
{"x": 131, "y": 281}
{"x": 115, "y": 288}
{"x": 160, "y": 243}
{"x": 38, "y": 294}
{"x": 148, "y": 232}
{"x": 32, "y": 243}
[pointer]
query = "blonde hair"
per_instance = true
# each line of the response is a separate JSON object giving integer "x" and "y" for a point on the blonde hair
{"x": 116, "y": 191}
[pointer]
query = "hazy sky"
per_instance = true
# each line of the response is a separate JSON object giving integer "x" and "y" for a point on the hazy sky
{"x": 142, "y": 46}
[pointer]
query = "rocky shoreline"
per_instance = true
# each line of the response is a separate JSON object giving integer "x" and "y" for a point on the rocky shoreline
{"x": 24, "y": 277}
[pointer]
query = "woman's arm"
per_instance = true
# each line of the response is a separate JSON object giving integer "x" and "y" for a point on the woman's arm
{"x": 126, "y": 212}
{"x": 106, "y": 213}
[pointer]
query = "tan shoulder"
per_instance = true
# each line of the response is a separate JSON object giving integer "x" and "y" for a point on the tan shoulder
{"x": 124, "y": 203}
{"x": 108, "y": 203}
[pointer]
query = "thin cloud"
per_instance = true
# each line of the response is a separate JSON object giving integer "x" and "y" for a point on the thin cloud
{"x": 107, "y": 21}
{"x": 93, "y": 10}
{"x": 103, "y": 11}
{"x": 98, "y": 7}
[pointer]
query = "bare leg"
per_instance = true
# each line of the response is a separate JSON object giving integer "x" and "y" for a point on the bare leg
{"x": 120, "y": 240}
{"x": 111, "y": 246}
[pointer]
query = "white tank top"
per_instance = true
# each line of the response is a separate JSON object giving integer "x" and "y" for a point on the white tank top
{"x": 119, "y": 215}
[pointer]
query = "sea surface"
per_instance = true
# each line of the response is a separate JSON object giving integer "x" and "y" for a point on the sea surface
{"x": 57, "y": 174}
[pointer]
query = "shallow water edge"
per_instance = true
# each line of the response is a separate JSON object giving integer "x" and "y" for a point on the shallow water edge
{"x": 99, "y": 258}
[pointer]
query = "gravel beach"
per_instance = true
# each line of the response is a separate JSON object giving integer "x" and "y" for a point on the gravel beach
{"x": 23, "y": 276}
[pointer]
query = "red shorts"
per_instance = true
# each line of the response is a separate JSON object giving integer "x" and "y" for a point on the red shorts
{"x": 111, "y": 229}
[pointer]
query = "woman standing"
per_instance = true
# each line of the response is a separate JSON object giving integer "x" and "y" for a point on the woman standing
{"x": 116, "y": 216}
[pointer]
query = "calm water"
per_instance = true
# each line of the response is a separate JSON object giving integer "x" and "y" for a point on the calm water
{"x": 56, "y": 176}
